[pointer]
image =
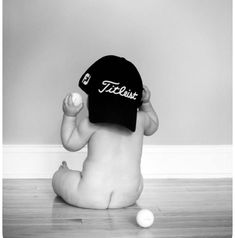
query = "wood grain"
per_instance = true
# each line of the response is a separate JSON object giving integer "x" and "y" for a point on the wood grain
{"x": 182, "y": 208}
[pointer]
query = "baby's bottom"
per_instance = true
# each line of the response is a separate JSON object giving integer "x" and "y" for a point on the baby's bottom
{"x": 68, "y": 184}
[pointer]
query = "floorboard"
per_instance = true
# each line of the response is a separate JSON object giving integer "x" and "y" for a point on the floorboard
{"x": 182, "y": 208}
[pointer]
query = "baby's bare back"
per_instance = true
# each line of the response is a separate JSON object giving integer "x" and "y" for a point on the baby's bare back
{"x": 113, "y": 163}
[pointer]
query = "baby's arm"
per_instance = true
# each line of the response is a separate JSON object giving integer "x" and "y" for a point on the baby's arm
{"x": 151, "y": 122}
{"x": 74, "y": 136}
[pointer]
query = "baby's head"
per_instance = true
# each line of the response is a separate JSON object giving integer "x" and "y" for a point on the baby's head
{"x": 114, "y": 89}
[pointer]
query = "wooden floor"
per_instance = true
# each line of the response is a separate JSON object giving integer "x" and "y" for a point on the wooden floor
{"x": 182, "y": 208}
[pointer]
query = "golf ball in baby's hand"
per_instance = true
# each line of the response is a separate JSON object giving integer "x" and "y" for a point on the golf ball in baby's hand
{"x": 77, "y": 99}
{"x": 145, "y": 218}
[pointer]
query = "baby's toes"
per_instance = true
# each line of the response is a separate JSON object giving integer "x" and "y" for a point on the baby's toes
{"x": 64, "y": 164}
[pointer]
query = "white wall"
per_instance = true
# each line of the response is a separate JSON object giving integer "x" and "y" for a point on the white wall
{"x": 182, "y": 49}
{"x": 158, "y": 161}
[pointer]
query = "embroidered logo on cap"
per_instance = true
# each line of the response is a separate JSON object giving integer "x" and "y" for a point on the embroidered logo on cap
{"x": 113, "y": 88}
{"x": 86, "y": 79}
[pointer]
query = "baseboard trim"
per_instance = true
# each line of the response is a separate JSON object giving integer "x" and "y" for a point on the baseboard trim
{"x": 158, "y": 161}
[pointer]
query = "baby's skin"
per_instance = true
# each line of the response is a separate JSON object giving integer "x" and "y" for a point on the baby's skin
{"x": 111, "y": 175}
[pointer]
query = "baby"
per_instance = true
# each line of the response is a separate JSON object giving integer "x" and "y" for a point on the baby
{"x": 120, "y": 114}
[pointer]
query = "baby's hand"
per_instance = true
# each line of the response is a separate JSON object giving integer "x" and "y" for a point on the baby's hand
{"x": 69, "y": 108}
{"x": 145, "y": 94}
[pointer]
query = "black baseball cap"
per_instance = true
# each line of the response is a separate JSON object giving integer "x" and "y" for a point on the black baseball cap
{"x": 114, "y": 87}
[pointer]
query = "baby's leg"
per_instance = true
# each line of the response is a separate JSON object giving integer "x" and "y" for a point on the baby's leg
{"x": 65, "y": 183}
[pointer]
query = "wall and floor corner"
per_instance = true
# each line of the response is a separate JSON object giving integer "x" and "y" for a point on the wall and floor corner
{"x": 182, "y": 49}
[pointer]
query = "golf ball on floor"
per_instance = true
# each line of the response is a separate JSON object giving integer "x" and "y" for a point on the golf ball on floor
{"x": 145, "y": 218}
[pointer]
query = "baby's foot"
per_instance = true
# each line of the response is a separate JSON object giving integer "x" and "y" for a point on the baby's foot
{"x": 64, "y": 165}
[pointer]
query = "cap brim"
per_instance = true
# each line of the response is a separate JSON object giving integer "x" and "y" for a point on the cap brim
{"x": 106, "y": 110}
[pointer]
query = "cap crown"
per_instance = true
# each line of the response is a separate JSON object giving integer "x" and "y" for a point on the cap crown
{"x": 113, "y": 77}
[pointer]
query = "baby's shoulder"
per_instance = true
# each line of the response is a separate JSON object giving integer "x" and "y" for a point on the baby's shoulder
{"x": 86, "y": 126}
{"x": 143, "y": 120}
{"x": 141, "y": 117}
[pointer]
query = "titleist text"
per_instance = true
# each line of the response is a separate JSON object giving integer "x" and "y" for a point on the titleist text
{"x": 113, "y": 88}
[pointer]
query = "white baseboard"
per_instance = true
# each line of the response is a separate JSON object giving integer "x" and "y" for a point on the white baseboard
{"x": 167, "y": 161}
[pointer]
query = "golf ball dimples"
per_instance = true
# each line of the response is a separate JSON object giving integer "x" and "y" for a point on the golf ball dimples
{"x": 145, "y": 218}
{"x": 77, "y": 99}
